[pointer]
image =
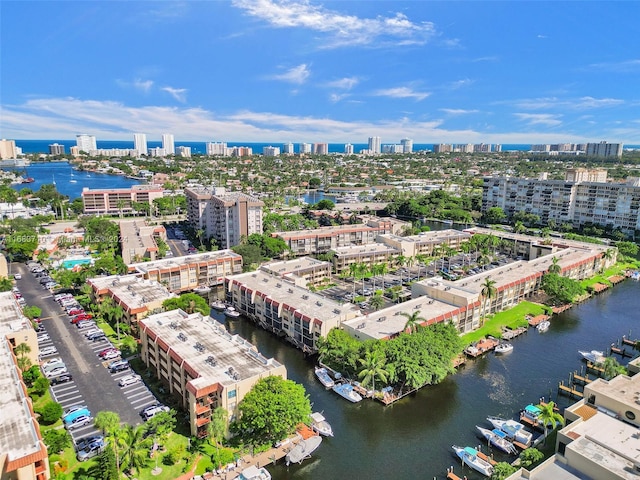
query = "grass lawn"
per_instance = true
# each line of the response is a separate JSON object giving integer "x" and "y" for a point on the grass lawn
{"x": 208, "y": 451}
{"x": 512, "y": 318}
{"x": 617, "y": 269}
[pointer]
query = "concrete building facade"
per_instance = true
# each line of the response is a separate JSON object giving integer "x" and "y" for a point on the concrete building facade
{"x": 114, "y": 201}
{"x": 138, "y": 240}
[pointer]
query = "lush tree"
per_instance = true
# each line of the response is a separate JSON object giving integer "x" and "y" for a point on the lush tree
{"x": 22, "y": 243}
{"x": 628, "y": 249}
{"x": 323, "y": 204}
{"x": 270, "y": 247}
{"x": 561, "y": 290}
{"x": 189, "y": 302}
{"x": 549, "y": 417}
{"x": 108, "y": 465}
{"x": 40, "y": 386}
{"x": 100, "y": 233}
{"x": 161, "y": 425}
{"x": 218, "y": 426}
{"x": 555, "y": 266}
{"x": 107, "y": 422}
{"x": 251, "y": 255}
{"x": 57, "y": 440}
{"x": 32, "y": 312}
{"x": 373, "y": 366}
{"x": 495, "y": 215}
{"x": 376, "y": 302}
{"x": 31, "y": 375}
{"x": 134, "y": 448}
{"x": 502, "y": 470}
{"x": 487, "y": 292}
{"x": 530, "y": 456}
{"x": 612, "y": 368}
{"x": 51, "y": 412}
{"x": 271, "y": 411}
{"x": 5, "y": 284}
{"x": 414, "y": 320}
{"x": 340, "y": 351}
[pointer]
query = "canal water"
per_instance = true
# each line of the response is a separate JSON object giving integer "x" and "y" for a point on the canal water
{"x": 412, "y": 439}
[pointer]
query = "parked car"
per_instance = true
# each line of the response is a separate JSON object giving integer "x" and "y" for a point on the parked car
{"x": 96, "y": 336}
{"x": 70, "y": 410}
{"x": 149, "y": 413}
{"x": 52, "y": 361}
{"x": 17, "y": 276}
{"x": 85, "y": 324}
{"x": 129, "y": 380}
{"x": 111, "y": 355}
{"x": 76, "y": 311}
{"x": 90, "y": 451}
{"x": 56, "y": 372}
{"x": 118, "y": 366}
{"x": 107, "y": 350}
{"x": 79, "y": 422}
{"x": 46, "y": 351}
{"x": 64, "y": 378}
{"x": 86, "y": 441}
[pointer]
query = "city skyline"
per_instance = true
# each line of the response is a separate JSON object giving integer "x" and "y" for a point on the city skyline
{"x": 278, "y": 71}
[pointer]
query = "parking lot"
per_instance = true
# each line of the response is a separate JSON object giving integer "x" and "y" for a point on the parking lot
{"x": 87, "y": 380}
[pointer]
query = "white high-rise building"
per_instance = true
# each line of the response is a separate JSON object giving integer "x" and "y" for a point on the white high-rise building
{"x": 217, "y": 148}
{"x": 140, "y": 143}
{"x": 374, "y": 145}
{"x": 86, "y": 143}
{"x": 305, "y": 148}
{"x": 7, "y": 149}
{"x": 288, "y": 148}
{"x": 168, "y": 144}
{"x": 348, "y": 149}
{"x": 184, "y": 152}
{"x": 271, "y": 151}
{"x": 56, "y": 149}
{"x": 407, "y": 145}
{"x": 604, "y": 149}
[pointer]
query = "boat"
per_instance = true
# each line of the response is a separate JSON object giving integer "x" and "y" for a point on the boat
{"x": 498, "y": 439}
{"x": 469, "y": 456}
{"x": 543, "y": 326}
{"x": 594, "y": 356}
{"x": 28, "y": 180}
{"x": 202, "y": 289}
{"x": 218, "y": 305}
{"x": 231, "y": 312}
{"x": 504, "y": 348}
{"x": 303, "y": 450}
{"x": 515, "y": 431}
{"x": 254, "y": 473}
{"x": 345, "y": 390}
{"x": 532, "y": 413}
{"x": 320, "y": 425}
{"x": 324, "y": 377}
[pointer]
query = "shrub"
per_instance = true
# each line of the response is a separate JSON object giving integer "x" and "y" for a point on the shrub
{"x": 51, "y": 413}
{"x": 222, "y": 457}
{"x": 57, "y": 440}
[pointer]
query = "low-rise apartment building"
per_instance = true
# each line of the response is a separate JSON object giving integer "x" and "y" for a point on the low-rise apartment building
{"x": 369, "y": 255}
{"x": 202, "y": 363}
{"x": 180, "y": 274}
{"x": 137, "y": 296}
{"x": 425, "y": 243}
{"x": 303, "y": 271}
{"x": 138, "y": 240}
{"x": 17, "y": 328}
{"x": 297, "y": 314}
{"x": 115, "y": 201}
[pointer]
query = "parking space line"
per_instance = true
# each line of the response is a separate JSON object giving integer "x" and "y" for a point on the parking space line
{"x": 130, "y": 397}
{"x": 136, "y": 388}
{"x": 64, "y": 388}
{"x": 76, "y": 395}
{"x": 144, "y": 402}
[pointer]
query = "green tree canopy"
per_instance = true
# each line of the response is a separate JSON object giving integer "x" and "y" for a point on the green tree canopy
{"x": 51, "y": 412}
{"x": 271, "y": 411}
{"x": 189, "y": 302}
{"x": 22, "y": 243}
{"x": 57, "y": 440}
{"x": 495, "y": 215}
{"x": 628, "y": 249}
{"x": 561, "y": 290}
{"x": 251, "y": 255}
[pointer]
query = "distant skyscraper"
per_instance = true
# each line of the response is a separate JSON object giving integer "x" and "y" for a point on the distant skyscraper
{"x": 217, "y": 148}
{"x": 374, "y": 145}
{"x": 168, "y": 144}
{"x": 407, "y": 145}
{"x": 7, "y": 149}
{"x": 321, "y": 148}
{"x": 604, "y": 149}
{"x": 271, "y": 151}
{"x": 86, "y": 143}
{"x": 184, "y": 152}
{"x": 56, "y": 149}
{"x": 348, "y": 149}
{"x": 140, "y": 143}
{"x": 305, "y": 148}
{"x": 288, "y": 148}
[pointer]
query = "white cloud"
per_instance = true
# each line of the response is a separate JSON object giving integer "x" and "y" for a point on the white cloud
{"x": 180, "y": 94}
{"x": 336, "y": 97}
{"x": 138, "y": 84}
{"x": 343, "y": 29}
{"x": 539, "y": 119}
{"x": 623, "y": 66}
{"x": 457, "y": 111}
{"x": 401, "y": 92}
{"x": 460, "y": 83}
{"x": 582, "y": 103}
{"x": 346, "y": 83}
{"x": 296, "y": 75}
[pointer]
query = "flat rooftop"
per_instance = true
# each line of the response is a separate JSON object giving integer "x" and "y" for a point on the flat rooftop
{"x": 291, "y": 266}
{"x": 553, "y": 468}
{"x": 132, "y": 291}
{"x": 11, "y": 318}
{"x": 624, "y": 389}
{"x": 306, "y": 302}
{"x": 212, "y": 352}
{"x": 389, "y": 321}
{"x": 177, "y": 262}
{"x": 326, "y": 231}
{"x": 434, "y": 236}
{"x": 371, "y": 248}
{"x": 18, "y": 431}
{"x": 135, "y": 234}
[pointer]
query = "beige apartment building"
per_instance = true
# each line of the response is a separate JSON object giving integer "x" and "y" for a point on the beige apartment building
{"x": 202, "y": 363}
{"x": 118, "y": 201}
{"x": 369, "y": 255}
{"x": 425, "y": 243}
{"x": 138, "y": 240}
{"x": 303, "y": 271}
{"x": 185, "y": 273}
{"x": 17, "y": 328}
{"x": 223, "y": 216}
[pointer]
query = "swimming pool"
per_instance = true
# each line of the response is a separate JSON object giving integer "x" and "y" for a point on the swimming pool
{"x": 69, "y": 264}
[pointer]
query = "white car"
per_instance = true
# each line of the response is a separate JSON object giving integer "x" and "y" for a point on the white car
{"x": 129, "y": 380}
{"x": 111, "y": 355}
{"x": 17, "y": 276}
{"x": 43, "y": 338}
{"x": 52, "y": 361}
{"x": 46, "y": 351}
{"x": 56, "y": 372}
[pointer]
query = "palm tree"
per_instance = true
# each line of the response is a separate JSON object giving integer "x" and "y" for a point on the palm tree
{"x": 109, "y": 423}
{"x": 373, "y": 365}
{"x": 376, "y": 302}
{"x": 401, "y": 261}
{"x": 22, "y": 349}
{"x": 607, "y": 255}
{"x": 549, "y": 416}
{"x": 612, "y": 368}
{"x": 382, "y": 269}
{"x": 555, "y": 266}
{"x": 414, "y": 320}
{"x": 217, "y": 426}
{"x": 118, "y": 314}
{"x": 487, "y": 292}
{"x": 135, "y": 450}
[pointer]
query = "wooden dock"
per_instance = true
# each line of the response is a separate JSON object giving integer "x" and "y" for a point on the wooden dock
{"x": 486, "y": 458}
{"x": 579, "y": 379}
{"x": 537, "y": 320}
{"x": 481, "y": 347}
{"x": 595, "y": 368}
{"x": 620, "y": 351}
{"x": 508, "y": 333}
{"x": 628, "y": 341}
{"x": 569, "y": 391}
{"x": 453, "y": 476}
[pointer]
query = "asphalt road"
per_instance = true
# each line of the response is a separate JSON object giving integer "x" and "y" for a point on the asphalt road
{"x": 92, "y": 385}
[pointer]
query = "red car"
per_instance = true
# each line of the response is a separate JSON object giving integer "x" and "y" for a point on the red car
{"x": 80, "y": 318}
{"x": 106, "y": 351}
{"x": 76, "y": 311}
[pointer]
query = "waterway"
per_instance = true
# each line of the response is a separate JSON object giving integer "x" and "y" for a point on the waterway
{"x": 68, "y": 181}
{"x": 412, "y": 439}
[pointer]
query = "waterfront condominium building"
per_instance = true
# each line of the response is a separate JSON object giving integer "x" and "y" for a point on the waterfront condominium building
{"x": 287, "y": 148}
{"x": 56, "y": 149}
{"x": 306, "y": 148}
{"x": 348, "y": 149}
{"x": 184, "y": 152}
{"x": 575, "y": 202}
{"x": 321, "y": 148}
{"x": 407, "y": 145}
{"x": 271, "y": 151}
{"x": 7, "y": 149}
{"x": 86, "y": 143}
{"x": 604, "y": 149}
{"x": 217, "y": 148}
{"x": 140, "y": 143}
{"x": 168, "y": 144}
{"x": 224, "y": 216}
{"x": 202, "y": 364}
{"x": 118, "y": 200}
{"x": 374, "y": 145}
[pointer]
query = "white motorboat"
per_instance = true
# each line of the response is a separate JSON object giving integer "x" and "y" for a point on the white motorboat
{"x": 594, "y": 356}
{"x": 303, "y": 450}
{"x": 498, "y": 439}
{"x": 469, "y": 456}
{"x": 231, "y": 312}
{"x": 515, "y": 430}
{"x": 218, "y": 305}
{"x": 320, "y": 424}
{"x": 252, "y": 472}
{"x": 345, "y": 390}
{"x": 324, "y": 377}
{"x": 202, "y": 289}
{"x": 543, "y": 326}
{"x": 504, "y": 348}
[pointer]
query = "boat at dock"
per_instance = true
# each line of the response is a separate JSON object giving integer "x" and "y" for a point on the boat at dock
{"x": 515, "y": 431}
{"x": 345, "y": 390}
{"x": 469, "y": 457}
{"x": 303, "y": 450}
{"x": 218, "y": 305}
{"x": 532, "y": 414}
{"x": 324, "y": 377}
{"x": 254, "y": 473}
{"x": 504, "y": 348}
{"x": 543, "y": 326}
{"x": 498, "y": 439}
{"x": 231, "y": 312}
{"x": 594, "y": 356}
{"x": 202, "y": 289}
{"x": 320, "y": 425}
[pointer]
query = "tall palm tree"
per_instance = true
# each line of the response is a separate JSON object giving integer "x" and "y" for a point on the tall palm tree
{"x": 487, "y": 292}
{"x": 401, "y": 261}
{"x": 383, "y": 269}
{"x": 414, "y": 320}
{"x": 135, "y": 449}
{"x": 373, "y": 366}
{"x": 555, "y": 266}
{"x": 376, "y": 302}
{"x": 217, "y": 426}
{"x": 549, "y": 417}
{"x": 118, "y": 314}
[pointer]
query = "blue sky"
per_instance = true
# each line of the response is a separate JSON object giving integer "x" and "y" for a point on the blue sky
{"x": 336, "y": 71}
